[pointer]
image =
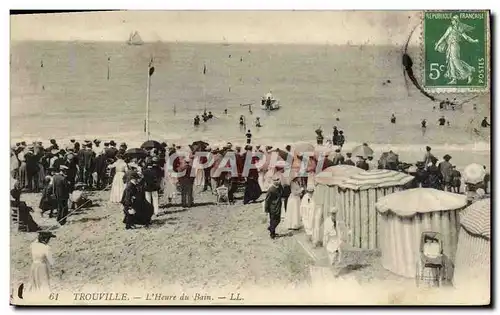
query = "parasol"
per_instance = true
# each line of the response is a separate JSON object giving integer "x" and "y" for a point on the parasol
{"x": 474, "y": 173}
{"x": 300, "y": 147}
{"x": 136, "y": 153}
{"x": 199, "y": 146}
{"x": 362, "y": 150}
{"x": 151, "y": 144}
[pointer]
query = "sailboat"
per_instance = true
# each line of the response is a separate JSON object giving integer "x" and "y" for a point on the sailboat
{"x": 135, "y": 39}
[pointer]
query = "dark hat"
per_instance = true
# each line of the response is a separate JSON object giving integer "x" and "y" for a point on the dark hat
{"x": 52, "y": 141}
{"x": 72, "y": 140}
{"x": 87, "y": 141}
{"x": 348, "y": 153}
{"x": 337, "y": 150}
{"x": 23, "y": 143}
{"x": 106, "y": 144}
{"x": 18, "y": 144}
{"x": 46, "y": 234}
{"x": 112, "y": 143}
{"x": 428, "y": 148}
{"x": 447, "y": 157}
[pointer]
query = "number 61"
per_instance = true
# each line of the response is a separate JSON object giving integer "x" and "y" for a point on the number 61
{"x": 435, "y": 71}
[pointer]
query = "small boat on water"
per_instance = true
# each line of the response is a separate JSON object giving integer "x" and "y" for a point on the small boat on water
{"x": 275, "y": 104}
{"x": 135, "y": 39}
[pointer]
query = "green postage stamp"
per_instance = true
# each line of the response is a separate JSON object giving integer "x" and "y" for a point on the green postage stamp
{"x": 456, "y": 51}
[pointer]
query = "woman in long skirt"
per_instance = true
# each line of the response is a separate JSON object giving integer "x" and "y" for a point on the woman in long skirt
{"x": 292, "y": 215}
{"x": 307, "y": 211}
{"x": 42, "y": 260}
{"x": 118, "y": 186}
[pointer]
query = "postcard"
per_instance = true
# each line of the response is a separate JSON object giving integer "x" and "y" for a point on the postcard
{"x": 250, "y": 158}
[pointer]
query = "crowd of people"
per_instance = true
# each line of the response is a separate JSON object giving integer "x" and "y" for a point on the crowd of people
{"x": 137, "y": 179}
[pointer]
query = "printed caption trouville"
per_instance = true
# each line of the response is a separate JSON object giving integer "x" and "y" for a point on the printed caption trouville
{"x": 153, "y": 296}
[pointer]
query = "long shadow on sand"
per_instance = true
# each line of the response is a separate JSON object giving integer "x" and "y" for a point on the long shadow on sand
{"x": 174, "y": 205}
{"x": 87, "y": 219}
{"x": 85, "y": 210}
{"x": 288, "y": 234}
{"x": 163, "y": 221}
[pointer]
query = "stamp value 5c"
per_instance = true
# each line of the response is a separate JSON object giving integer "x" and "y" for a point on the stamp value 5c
{"x": 456, "y": 51}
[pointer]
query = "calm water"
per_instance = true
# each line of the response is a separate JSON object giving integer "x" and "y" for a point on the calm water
{"x": 312, "y": 83}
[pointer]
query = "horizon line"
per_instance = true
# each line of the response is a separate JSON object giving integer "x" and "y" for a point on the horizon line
{"x": 203, "y": 42}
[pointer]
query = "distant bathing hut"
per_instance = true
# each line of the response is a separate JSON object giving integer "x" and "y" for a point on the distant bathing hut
{"x": 135, "y": 39}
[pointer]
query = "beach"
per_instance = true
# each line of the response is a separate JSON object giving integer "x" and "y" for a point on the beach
{"x": 61, "y": 90}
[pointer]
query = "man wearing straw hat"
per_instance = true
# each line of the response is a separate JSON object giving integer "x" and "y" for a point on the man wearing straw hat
{"x": 273, "y": 204}
{"x": 61, "y": 192}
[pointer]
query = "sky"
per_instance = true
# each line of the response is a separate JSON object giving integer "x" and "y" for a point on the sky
{"x": 281, "y": 27}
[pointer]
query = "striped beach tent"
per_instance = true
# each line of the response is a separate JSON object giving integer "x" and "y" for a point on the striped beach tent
{"x": 406, "y": 214}
{"x": 325, "y": 196}
{"x": 472, "y": 259}
{"x": 356, "y": 200}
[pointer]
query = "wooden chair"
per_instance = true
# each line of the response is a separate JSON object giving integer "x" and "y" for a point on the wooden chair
{"x": 222, "y": 194}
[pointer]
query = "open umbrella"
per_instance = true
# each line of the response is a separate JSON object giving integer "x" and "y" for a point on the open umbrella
{"x": 300, "y": 147}
{"x": 474, "y": 173}
{"x": 199, "y": 146}
{"x": 136, "y": 153}
{"x": 362, "y": 150}
{"x": 151, "y": 144}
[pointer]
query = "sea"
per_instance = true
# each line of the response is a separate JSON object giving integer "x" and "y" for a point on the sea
{"x": 94, "y": 90}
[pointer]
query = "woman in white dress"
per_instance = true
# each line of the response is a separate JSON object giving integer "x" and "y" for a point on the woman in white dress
{"x": 170, "y": 183}
{"x": 292, "y": 215}
{"x": 118, "y": 186}
{"x": 42, "y": 260}
{"x": 307, "y": 210}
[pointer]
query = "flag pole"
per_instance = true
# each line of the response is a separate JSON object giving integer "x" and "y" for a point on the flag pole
{"x": 204, "y": 88}
{"x": 151, "y": 70}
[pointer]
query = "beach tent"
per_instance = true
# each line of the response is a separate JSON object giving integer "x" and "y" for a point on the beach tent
{"x": 325, "y": 195}
{"x": 472, "y": 259}
{"x": 356, "y": 201}
{"x": 406, "y": 214}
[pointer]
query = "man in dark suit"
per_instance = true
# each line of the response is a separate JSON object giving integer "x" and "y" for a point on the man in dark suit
{"x": 273, "y": 203}
{"x": 112, "y": 151}
{"x": 152, "y": 180}
{"x": 61, "y": 192}
{"x": 186, "y": 183}
{"x": 71, "y": 164}
{"x": 88, "y": 157}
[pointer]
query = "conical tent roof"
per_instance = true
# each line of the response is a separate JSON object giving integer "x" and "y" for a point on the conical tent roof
{"x": 476, "y": 218}
{"x": 420, "y": 200}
